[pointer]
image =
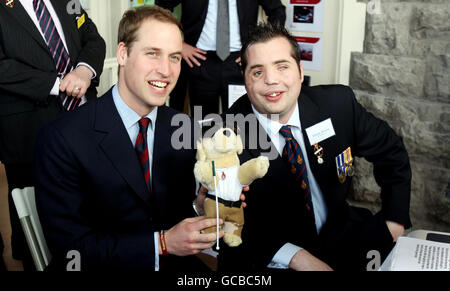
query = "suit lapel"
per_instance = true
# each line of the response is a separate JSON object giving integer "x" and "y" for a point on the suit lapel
{"x": 204, "y": 6}
{"x": 310, "y": 115}
{"x": 116, "y": 145}
{"x": 241, "y": 10}
{"x": 22, "y": 17}
{"x": 161, "y": 149}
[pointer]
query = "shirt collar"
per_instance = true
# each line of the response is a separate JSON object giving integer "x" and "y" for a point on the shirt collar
{"x": 273, "y": 127}
{"x": 129, "y": 116}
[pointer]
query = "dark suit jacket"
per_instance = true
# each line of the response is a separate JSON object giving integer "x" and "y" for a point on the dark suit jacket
{"x": 194, "y": 15}
{"x": 28, "y": 73}
{"x": 275, "y": 215}
{"x": 91, "y": 193}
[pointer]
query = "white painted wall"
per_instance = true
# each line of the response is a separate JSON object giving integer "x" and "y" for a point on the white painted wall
{"x": 106, "y": 15}
{"x": 350, "y": 38}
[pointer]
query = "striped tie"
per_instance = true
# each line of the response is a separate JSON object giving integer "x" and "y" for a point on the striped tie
{"x": 57, "y": 49}
{"x": 292, "y": 154}
{"x": 142, "y": 150}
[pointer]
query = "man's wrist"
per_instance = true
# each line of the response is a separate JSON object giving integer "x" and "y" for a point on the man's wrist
{"x": 284, "y": 256}
{"x": 88, "y": 69}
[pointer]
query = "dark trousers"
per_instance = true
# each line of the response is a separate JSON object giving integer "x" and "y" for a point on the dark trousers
{"x": 210, "y": 81}
{"x": 19, "y": 176}
{"x": 345, "y": 247}
{"x": 343, "y": 244}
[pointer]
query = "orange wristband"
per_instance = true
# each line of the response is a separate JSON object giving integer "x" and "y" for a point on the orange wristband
{"x": 162, "y": 240}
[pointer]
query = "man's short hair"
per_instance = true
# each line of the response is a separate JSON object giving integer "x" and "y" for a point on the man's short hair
{"x": 265, "y": 32}
{"x": 132, "y": 20}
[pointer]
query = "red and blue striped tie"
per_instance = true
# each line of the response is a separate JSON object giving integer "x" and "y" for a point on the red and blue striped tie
{"x": 57, "y": 49}
{"x": 292, "y": 153}
{"x": 142, "y": 150}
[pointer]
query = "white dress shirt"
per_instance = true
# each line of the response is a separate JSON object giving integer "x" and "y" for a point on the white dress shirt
{"x": 285, "y": 254}
{"x": 130, "y": 120}
{"x": 28, "y": 6}
{"x": 207, "y": 39}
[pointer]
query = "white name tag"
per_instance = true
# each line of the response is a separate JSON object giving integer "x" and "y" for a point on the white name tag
{"x": 321, "y": 131}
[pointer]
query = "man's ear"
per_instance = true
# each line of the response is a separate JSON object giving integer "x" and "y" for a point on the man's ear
{"x": 301, "y": 72}
{"x": 122, "y": 54}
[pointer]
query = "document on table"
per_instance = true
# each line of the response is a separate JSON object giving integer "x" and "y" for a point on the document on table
{"x": 412, "y": 254}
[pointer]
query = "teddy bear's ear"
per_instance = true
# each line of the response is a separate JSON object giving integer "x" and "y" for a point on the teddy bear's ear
{"x": 239, "y": 146}
{"x": 201, "y": 156}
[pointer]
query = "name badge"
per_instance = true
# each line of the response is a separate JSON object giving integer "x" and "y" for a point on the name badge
{"x": 321, "y": 131}
{"x": 81, "y": 20}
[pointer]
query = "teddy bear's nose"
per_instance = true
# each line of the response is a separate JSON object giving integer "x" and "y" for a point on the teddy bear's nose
{"x": 226, "y": 133}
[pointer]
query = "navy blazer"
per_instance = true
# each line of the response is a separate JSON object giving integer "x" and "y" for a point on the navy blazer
{"x": 91, "y": 193}
{"x": 275, "y": 216}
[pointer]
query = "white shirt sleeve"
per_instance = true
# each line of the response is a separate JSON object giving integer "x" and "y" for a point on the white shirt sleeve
{"x": 284, "y": 256}
{"x": 55, "y": 89}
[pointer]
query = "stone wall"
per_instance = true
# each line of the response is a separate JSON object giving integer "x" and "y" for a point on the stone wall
{"x": 403, "y": 77}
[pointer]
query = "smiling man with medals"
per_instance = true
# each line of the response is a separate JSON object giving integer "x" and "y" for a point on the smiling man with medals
{"x": 303, "y": 200}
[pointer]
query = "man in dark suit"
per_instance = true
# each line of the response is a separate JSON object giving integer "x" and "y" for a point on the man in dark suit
{"x": 50, "y": 62}
{"x": 297, "y": 215}
{"x": 113, "y": 187}
{"x": 210, "y": 71}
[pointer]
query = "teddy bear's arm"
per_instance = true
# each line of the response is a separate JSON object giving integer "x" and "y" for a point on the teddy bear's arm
{"x": 203, "y": 174}
{"x": 253, "y": 169}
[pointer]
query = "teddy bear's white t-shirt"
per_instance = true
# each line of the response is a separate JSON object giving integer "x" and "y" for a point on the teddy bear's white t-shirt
{"x": 229, "y": 187}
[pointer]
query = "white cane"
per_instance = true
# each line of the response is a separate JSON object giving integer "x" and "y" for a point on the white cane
{"x": 217, "y": 204}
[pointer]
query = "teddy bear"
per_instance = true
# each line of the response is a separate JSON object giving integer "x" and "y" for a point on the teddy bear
{"x": 223, "y": 148}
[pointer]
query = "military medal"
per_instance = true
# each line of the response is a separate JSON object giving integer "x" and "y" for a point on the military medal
{"x": 349, "y": 162}
{"x": 318, "y": 152}
{"x": 350, "y": 171}
{"x": 340, "y": 165}
{"x": 9, "y": 3}
{"x": 344, "y": 165}
{"x": 342, "y": 177}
